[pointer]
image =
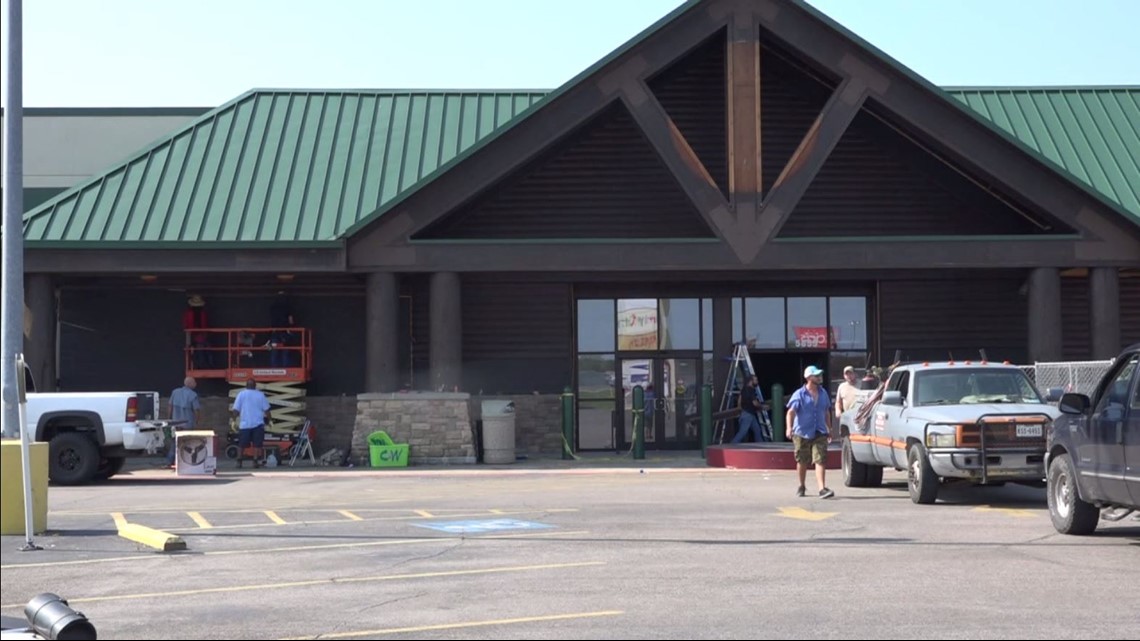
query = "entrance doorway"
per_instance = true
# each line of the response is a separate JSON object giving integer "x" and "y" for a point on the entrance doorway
{"x": 785, "y": 368}
{"x": 672, "y": 401}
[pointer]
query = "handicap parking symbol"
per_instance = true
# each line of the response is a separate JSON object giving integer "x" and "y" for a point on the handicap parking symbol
{"x": 482, "y": 526}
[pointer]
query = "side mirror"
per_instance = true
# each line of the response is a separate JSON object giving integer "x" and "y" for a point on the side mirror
{"x": 893, "y": 398}
{"x": 1075, "y": 404}
{"x": 1054, "y": 395}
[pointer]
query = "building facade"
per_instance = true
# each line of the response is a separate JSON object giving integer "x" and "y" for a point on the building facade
{"x": 739, "y": 172}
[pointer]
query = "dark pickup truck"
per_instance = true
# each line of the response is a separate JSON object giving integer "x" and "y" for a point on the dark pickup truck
{"x": 1093, "y": 451}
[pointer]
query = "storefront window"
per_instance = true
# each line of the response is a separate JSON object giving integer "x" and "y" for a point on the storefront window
{"x": 764, "y": 323}
{"x": 595, "y": 326}
{"x": 680, "y": 323}
{"x": 849, "y": 322}
{"x": 596, "y": 397}
{"x": 637, "y": 324}
{"x": 807, "y": 324}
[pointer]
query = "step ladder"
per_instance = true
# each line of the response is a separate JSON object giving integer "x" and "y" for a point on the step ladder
{"x": 740, "y": 371}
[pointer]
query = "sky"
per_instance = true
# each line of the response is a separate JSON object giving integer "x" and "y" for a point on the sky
{"x": 164, "y": 53}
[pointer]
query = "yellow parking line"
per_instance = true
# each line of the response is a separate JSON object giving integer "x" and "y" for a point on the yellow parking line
{"x": 314, "y": 582}
{"x": 457, "y": 626}
{"x": 273, "y": 517}
{"x": 401, "y": 517}
{"x": 200, "y": 520}
{"x": 349, "y": 515}
{"x": 425, "y": 514}
{"x": 120, "y": 520}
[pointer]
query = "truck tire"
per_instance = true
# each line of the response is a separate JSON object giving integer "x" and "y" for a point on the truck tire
{"x": 921, "y": 480}
{"x": 74, "y": 458}
{"x": 1070, "y": 514}
{"x": 854, "y": 472}
{"x": 110, "y": 466}
{"x": 874, "y": 475}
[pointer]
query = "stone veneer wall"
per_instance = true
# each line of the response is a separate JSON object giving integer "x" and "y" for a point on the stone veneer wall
{"x": 436, "y": 426}
{"x": 538, "y": 422}
{"x": 333, "y": 417}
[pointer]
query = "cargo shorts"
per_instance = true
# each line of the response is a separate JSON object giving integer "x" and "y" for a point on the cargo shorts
{"x": 811, "y": 450}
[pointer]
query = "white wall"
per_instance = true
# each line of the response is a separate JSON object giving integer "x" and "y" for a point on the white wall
{"x": 62, "y": 148}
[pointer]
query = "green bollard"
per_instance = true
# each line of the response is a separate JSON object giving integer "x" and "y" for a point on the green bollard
{"x": 778, "y": 413}
{"x": 706, "y": 419}
{"x": 638, "y": 422}
{"x": 567, "y": 424}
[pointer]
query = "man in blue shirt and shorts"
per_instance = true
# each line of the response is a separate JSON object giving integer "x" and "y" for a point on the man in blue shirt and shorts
{"x": 252, "y": 409}
{"x": 809, "y": 427}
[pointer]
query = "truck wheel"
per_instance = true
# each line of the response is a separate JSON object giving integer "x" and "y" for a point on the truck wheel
{"x": 854, "y": 472}
{"x": 921, "y": 481}
{"x": 1069, "y": 513}
{"x": 874, "y": 475}
{"x": 109, "y": 467}
{"x": 74, "y": 458}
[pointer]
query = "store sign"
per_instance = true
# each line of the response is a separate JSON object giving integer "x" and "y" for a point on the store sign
{"x": 637, "y": 324}
{"x": 816, "y": 337}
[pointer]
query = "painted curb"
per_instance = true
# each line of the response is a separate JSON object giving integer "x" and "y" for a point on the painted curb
{"x": 150, "y": 537}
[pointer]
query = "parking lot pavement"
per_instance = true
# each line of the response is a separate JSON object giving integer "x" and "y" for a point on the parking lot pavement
{"x": 615, "y": 553}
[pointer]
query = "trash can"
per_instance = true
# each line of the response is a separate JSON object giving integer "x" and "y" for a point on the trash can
{"x": 498, "y": 432}
{"x": 385, "y": 453}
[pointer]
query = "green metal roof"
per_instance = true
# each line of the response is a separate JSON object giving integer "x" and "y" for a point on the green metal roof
{"x": 276, "y": 166}
{"x": 312, "y": 167}
{"x": 1091, "y": 133}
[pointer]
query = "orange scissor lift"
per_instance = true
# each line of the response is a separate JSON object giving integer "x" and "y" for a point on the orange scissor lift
{"x": 282, "y": 370}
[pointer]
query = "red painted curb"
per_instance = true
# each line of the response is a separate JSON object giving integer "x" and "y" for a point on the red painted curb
{"x": 763, "y": 457}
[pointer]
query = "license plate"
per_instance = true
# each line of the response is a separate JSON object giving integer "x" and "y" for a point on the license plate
{"x": 1028, "y": 431}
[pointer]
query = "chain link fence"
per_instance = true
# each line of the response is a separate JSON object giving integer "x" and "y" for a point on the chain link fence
{"x": 1080, "y": 377}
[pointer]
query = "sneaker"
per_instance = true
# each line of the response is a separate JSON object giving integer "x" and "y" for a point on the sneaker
{"x": 801, "y": 491}
{"x": 826, "y": 493}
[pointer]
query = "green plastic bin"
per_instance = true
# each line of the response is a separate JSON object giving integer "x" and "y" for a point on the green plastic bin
{"x": 385, "y": 453}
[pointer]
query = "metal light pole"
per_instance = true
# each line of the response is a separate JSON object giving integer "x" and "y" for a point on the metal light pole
{"x": 12, "y": 279}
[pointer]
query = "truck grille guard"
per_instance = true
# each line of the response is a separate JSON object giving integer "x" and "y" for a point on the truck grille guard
{"x": 989, "y": 421}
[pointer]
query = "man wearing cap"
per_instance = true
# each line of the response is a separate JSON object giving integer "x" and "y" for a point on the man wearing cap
{"x": 809, "y": 427}
{"x": 847, "y": 393}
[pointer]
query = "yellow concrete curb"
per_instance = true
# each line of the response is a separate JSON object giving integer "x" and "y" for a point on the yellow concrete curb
{"x": 157, "y": 539}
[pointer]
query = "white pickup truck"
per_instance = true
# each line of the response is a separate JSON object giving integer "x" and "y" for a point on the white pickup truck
{"x": 91, "y": 434}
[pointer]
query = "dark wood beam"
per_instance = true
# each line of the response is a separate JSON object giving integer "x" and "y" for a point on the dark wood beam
{"x": 809, "y": 157}
{"x": 159, "y": 261}
{"x": 908, "y": 253}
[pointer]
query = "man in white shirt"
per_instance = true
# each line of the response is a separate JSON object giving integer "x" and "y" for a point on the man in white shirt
{"x": 847, "y": 393}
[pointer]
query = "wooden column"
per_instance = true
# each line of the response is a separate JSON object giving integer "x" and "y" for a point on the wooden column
{"x": 381, "y": 332}
{"x": 1104, "y": 312}
{"x": 743, "y": 77}
{"x": 1045, "y": 315}
{"x": 39, "y": 343}
{"x": 446, "y": 354}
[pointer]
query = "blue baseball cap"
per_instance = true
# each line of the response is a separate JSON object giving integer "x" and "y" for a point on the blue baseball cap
{"x": 812, "y": 370}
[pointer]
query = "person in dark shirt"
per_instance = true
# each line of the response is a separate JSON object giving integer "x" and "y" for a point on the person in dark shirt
{"x": 749, "y": 412}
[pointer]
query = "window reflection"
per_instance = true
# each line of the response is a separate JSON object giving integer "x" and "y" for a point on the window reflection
{"x": 596, "y": 397}
{"x": 807, "y": 324}
{"x": 595, "y": 326}
{"x": 637, "y": 324}
{"x": 849, "y": 322}
{"x": 764, "y": 323}
{"x": 680, "y": 323}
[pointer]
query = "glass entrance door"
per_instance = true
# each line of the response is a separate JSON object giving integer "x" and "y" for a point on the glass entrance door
{"x": 672, "y": 396}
